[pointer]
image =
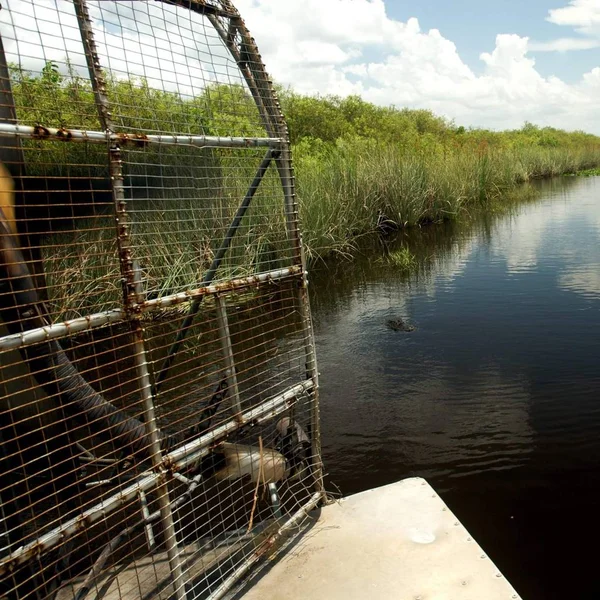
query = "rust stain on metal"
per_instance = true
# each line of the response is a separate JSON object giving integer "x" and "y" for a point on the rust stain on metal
{"x": 204, "y": 8}
{"x": 40, "y": 132}
{"x": 230, "y": 285}
{"x": 267, "y": 546}
{"x": 140, "y": 140}
{"x": 168, "y": 465}
{"x": 64, "y": 134}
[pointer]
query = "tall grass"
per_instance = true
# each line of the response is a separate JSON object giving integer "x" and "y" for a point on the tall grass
{"x": 173, "y": 239}
{"x": 359, "y": 187}
{"x": 359, "y": 169}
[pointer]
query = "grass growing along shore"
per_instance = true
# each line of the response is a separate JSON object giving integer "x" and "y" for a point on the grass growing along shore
{"x": 361, "y": 166}
{"x": 357, "y": 188}
{"x": 359, "y": 169}
{"x": 587, "y": 173}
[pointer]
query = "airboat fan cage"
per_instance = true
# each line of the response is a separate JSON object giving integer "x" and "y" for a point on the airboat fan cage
{"x": 158, "y": 387}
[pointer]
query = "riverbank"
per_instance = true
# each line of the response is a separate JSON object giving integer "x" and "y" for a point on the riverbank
{"x": 362, "y": 168}
{"x": 587, "y": 173}
{"x": 360, "y": 187}
{"x": 359, "y": 169}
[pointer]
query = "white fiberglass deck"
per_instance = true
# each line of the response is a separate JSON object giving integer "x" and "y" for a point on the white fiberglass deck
{"x": 395, "y": 542}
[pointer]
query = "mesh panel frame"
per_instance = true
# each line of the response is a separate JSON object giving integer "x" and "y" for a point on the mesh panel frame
{"x": 158, "y": 383}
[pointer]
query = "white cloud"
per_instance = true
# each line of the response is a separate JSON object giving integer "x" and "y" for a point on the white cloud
{"x": 328, "y": 47}
{"x": 397, "y": 63}
{"x": 584, "y": 17}
{"x": 592, "y": 79}
{"x": 564, "y": 45}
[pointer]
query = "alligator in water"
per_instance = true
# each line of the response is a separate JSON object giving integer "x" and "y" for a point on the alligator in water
{"x": 399, "y": 325}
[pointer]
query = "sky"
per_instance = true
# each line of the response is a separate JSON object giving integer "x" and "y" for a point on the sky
{"x": 477, "y": 62}
{"x": 480, "y": 63}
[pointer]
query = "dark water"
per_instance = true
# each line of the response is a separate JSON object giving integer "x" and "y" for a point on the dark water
{"x": 495, "y": 398}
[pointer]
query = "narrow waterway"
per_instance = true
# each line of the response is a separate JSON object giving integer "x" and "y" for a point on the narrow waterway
{"x": 495, "y": 397}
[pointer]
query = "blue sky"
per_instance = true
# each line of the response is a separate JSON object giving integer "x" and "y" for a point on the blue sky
{"x": 473, "y": 25}
{"x": 482, "y": 63}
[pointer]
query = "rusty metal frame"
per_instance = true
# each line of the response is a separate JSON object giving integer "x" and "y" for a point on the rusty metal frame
{"x": 228, "y": 357}
{"x": 52, "y": 134}
{"x": 131, "y": 289}
{"x": 178, "y": 459}
{"x": 234, "y": 34}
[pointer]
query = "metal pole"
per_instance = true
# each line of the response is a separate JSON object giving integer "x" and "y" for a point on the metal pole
{"x": 286, "y": 174}
{"x": 310, "y": 358}
{"x": 225, "y": 336}
{"x": 216, "y": 263}
{"x": 162, "y": 489}
{"x": 131, "y": 292}
{"x": 14, "y": 132}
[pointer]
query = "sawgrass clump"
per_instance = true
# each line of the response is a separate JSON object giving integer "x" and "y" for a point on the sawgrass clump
{"x": 359, "y": 169}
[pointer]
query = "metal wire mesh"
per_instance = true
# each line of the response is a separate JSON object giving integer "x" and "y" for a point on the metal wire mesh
{"x": 158, "y": 385}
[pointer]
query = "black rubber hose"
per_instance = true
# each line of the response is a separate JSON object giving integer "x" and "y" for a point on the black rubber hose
{"x": 59, "y": 378}
{"x": 22, "y": 310}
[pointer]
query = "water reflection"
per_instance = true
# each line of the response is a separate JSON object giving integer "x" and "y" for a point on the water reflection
{"x": 494, "y": 397}
{"x": 584, "y": 280}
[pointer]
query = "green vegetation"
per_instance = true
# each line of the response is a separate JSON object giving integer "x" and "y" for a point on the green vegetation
{"x": 587, "y": 173}
{"x": 359, "y": 168}
{"x": 402, "y": 259}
